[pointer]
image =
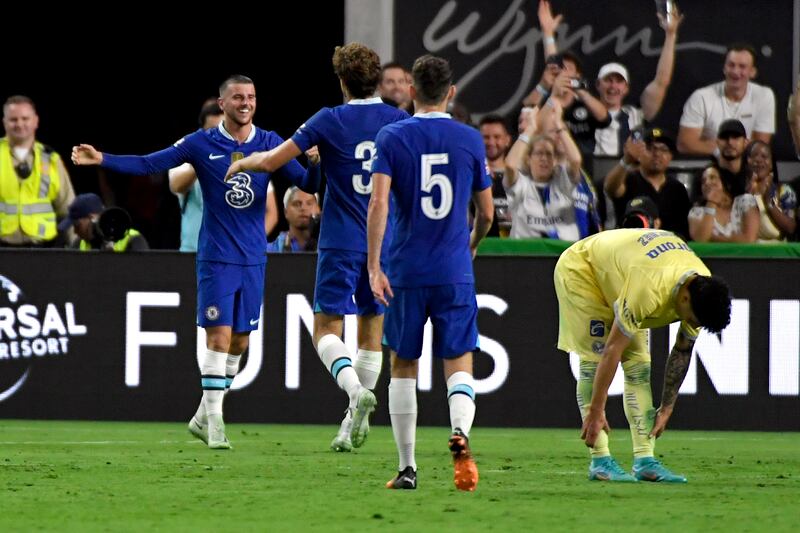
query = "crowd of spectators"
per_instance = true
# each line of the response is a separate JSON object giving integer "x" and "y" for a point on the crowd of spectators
{"x": 545, "y": 180}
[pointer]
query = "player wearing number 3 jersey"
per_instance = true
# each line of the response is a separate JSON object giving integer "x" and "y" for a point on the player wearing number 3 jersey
{"x": 433, "y": 167}
{"x": 231, "y": 253}
{"x": 345, "y": 137}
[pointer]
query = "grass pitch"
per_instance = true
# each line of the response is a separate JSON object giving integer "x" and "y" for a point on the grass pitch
{"x": 111, "y": 476}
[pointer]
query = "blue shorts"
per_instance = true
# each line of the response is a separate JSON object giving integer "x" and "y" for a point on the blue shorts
{"x": 453, "y": 310}
{"x": 342, "y": 286}
{"x": 229, "y": 295}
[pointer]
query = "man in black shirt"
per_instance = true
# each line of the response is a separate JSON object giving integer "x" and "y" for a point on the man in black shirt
{"x": 643, "y": 172}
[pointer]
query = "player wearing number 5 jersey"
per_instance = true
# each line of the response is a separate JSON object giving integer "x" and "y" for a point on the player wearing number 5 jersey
{"x": 433, "y": 166}
{"x": 345, "y": 137}
{"x": 231, "y": 249}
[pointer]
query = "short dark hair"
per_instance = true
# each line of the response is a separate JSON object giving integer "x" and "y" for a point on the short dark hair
{"x": 742, "y": 47}
{"x": 209, "y": 109}
{"x": 234, "y": 78}
{"x": 710, "y": 298}
{"x": 432, "y": 79}
{"x": 493, "y": 119}
{"x": 18, "y": 99}
{"x": 359, "y": 68}
{"x": 569, "y": 55}
{"x": 392, "y": 64}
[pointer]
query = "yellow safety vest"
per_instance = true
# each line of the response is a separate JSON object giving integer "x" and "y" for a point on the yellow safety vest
{"x": 28, "y": 204}
{"x": 119, "y": 246}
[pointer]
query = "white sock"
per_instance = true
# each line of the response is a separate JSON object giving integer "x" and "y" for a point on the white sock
{"x": 200, "y": 414}
{"x": 231, "y": 369}
{"x": 337, "y": 360}
{"x": 461, "y": 398}
{"x": 213, "y": 381}
{"x": 368, "y": 367}
{"x": 403, "y": 412}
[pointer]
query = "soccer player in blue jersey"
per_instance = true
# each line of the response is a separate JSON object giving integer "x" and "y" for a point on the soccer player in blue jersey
{"x": 231, "y": 249}
{"x": 345, "y": 136}
{"x": 433, "y": 166}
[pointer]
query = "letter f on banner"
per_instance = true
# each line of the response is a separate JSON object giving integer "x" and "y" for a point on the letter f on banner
{"x": 135, "y": 338}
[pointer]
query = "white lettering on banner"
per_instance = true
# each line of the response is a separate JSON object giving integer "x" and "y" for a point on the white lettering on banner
{"x": 298, "y": 310}
{"x": 512, "y": 34}
{"x": 492, "y": 348}
{"x": 727, "y": 362}
{"x": 135, "y": 338}
{"x": 784, "y": 347}
{"x": 255, "y": 354}
{"x": 19, "y": 319}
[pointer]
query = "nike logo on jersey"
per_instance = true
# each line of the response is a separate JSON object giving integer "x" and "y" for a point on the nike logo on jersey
{"x": 213, "y": 157}
{"x": 254, "y": 322}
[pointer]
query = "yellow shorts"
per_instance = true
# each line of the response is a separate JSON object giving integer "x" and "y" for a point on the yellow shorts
{"x": 584, "y": 317}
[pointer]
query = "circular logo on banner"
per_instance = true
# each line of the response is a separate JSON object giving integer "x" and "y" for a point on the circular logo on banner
{"x": 30, "y": 332}
{"x": 212, "y": 312}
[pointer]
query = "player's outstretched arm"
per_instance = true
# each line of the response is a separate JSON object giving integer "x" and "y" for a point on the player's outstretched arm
{"x": 377, "y": 214}
{"x": 269, "y": 161}
{"x": 595, "y": 420}
{"x": 86, "y": 154}
{"x": 674, "y": 374}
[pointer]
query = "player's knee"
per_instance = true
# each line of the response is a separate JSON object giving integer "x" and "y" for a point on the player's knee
{"x": 218, "y": 340}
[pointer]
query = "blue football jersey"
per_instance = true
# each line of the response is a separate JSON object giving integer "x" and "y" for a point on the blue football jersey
{"x": 345, "y": 136}
{"x": 232, "y": 230}
{"x": 436, "y": 164}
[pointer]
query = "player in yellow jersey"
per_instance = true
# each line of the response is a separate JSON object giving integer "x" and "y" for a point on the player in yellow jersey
{"x": 612, "y": 287}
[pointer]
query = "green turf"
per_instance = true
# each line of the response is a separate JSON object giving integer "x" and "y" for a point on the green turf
{"x": 89, "y": 476}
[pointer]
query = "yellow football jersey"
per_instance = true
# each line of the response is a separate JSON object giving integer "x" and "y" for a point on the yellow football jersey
{"x": 637, "y": 272}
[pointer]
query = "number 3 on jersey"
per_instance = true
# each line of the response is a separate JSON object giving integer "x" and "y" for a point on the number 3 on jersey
{"x": 431, "y": 180}
{"x": 365, "y": 152}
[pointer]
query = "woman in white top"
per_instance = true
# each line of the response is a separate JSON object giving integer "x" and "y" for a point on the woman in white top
{"x": 540, "y": 186}
{"x": 777, "y": 202}
{"x": 723, "y": 218}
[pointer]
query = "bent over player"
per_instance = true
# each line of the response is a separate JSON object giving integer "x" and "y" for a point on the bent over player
{"x": 612, "y": 287}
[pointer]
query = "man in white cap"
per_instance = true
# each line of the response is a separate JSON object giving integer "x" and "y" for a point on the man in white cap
{"x": 613, "y": 85}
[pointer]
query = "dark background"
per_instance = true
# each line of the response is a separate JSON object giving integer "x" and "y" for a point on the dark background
{"x": 766, "y": 25}
{"x": 134, "y": 82}
{"x": 88, "y": 382}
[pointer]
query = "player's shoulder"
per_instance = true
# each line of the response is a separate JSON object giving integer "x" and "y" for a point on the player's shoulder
{"x": 267, "y": 138}
{"x": 194, "y": 138}
{"x": 397, "y": 128}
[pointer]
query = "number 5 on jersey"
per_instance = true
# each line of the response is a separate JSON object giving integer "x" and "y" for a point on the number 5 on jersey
{"x": 431, "y": 180}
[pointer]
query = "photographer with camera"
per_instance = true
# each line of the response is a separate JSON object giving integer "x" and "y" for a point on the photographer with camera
{"x": 99, "y": 228}
{"x": 302, "y": 213}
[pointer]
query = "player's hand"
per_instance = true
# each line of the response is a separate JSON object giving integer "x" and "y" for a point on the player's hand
{"x": 380, "y": 286}
{"x": 593, "y": 424}
{"x": 85, "y": 154}
{"x": 660, "y": 424}
{"x": 235, "y": 168}
{"x": 313, "y": 156}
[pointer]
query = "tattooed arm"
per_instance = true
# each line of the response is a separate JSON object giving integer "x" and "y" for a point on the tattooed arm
{"x": 675, "y": 371}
